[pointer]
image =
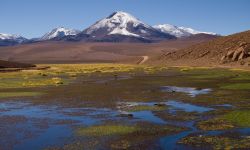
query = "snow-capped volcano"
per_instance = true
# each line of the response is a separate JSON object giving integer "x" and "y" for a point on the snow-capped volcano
{"x": 126, "y": 25}
{"x": 116, "y": 23}
{"x": 10, "y": 39}
{"x": 58, "y": 33}
{"x": 179, "y": 31}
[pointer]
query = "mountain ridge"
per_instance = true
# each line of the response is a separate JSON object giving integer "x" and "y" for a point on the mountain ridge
{"x": 120, "y": 26}
{"x": 179, "y": 31}
{"x": 58, "y": 33}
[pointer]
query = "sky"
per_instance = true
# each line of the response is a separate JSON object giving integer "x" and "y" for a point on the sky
{"x": 33, "y": 18}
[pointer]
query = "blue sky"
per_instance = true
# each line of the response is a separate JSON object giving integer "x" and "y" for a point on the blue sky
{"x": 33, "y": 18}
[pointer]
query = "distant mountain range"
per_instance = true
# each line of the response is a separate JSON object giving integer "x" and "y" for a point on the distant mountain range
{"x": 9, "y": 39}
{"x": 118, "y": 27}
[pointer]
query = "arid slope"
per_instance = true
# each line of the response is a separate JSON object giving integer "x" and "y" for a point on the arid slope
{"x": 82, "y": 52}
{"x": 211, "y": 53}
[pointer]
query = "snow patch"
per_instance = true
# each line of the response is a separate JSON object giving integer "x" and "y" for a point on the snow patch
{"x": 123, "y": 31}
{"x": 13, "y": 37}
{"x": 192, "y": 31}
{"x": 4, "y": 36}
{"x": 179, "y": 31}
{"x": 59, "y": 32}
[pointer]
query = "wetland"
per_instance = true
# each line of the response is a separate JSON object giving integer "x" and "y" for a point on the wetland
{"x": 119, "y": 106}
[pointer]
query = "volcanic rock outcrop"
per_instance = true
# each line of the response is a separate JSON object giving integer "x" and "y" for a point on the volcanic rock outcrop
{"x": 239, "y": 53}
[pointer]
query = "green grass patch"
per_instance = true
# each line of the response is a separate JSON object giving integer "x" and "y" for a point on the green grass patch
{"x": 213, "y": 74}
{"x": 216, "y": 142}
{"x": 215, "y": 124}
{"x": 142, "y": 129}
{"x": 59, "y": 74}
{"x": 210, "y": 76}
{"x": 216, "y": 73}
{"x": 120, "y": 136}
{"x": 24, "y": 80}
{"x": 240, "y": 118}
{"x": 242, "y": 76}
{"x": 18, "y": 94}
{"x": 236, "y": 86}
{"x": 146, "y": 108}
{"x": 106, "y": 130}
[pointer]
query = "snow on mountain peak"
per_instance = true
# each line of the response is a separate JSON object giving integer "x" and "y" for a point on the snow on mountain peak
{"x": 117, "y": 23}
{"x": 4, "y": 36}
{"x": 59, "y": 32}
{"x": 123, "y": 18}
{"x": 13, "y": 37}
{"x": 179, "y": 31}
{"x": 171, "y": 29}
{"x": 192, "y": 31}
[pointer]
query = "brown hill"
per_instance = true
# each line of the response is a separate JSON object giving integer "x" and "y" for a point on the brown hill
{"x": 82, "y": 52}
{"x": 229, "y": 50}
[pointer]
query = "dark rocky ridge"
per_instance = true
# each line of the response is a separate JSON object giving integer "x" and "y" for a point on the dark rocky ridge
{"x": 8, "y": 64}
